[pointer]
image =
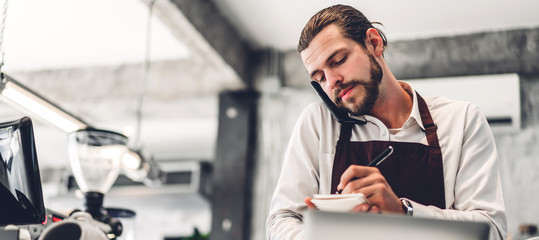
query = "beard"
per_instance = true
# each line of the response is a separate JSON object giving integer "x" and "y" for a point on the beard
{"x": 362, "y": 106}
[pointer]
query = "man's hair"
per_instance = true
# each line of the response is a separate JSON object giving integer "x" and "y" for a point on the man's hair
{"x": 352, "y": 23}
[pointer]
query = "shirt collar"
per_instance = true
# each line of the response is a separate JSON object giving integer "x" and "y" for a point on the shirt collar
{"x": 415, "y": 114}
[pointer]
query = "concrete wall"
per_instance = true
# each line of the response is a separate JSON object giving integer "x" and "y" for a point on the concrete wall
{"x": 519, "y": 159}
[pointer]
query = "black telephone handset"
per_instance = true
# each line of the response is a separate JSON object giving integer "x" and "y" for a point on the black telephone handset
{"x": 341, "y": 116}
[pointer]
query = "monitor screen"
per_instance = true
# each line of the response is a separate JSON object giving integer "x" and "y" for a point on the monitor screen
{"x": 21, "y": 196}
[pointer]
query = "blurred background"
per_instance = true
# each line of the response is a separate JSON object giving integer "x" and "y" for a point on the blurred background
{"x": 222, "y": 85}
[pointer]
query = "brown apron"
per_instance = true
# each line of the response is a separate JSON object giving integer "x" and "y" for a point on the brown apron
{"x": 413, "y": 171}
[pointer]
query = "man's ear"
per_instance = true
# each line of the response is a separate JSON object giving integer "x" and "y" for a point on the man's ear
{"x": 374, "y": 40}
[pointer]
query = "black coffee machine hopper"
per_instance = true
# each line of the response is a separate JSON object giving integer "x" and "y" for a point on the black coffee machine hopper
{"x": 339, "y": 114}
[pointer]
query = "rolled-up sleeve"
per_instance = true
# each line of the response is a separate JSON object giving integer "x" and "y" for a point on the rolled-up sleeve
{"x": 299, "y": 179}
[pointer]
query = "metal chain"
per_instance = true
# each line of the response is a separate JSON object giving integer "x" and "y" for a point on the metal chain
{"x": 2, "y": 28}
{"x": 145, "y": 75}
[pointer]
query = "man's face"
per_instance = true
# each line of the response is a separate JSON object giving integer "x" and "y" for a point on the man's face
{"x": 348, "y": 73}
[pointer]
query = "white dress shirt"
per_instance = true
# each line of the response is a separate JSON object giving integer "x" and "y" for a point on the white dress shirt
{"x": 471, "y": 177}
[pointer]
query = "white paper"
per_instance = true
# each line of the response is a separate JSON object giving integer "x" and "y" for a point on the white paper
{"x": 338, "y": 202}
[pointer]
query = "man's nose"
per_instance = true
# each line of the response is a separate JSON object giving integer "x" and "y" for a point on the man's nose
{"x": 334, "y": 79}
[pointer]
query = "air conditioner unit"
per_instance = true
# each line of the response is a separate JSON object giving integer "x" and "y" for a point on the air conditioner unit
{"x": 497, "y": 96}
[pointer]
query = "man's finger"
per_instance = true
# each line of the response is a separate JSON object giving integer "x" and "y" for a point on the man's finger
{"x": 309, "y": 203}
{"x": 353, "y": 172}
{"x": 360, "y": 183}
{"x": 374, "y": 209}
{"x": 361, "y": 208}
{"x": 368, "y": 191}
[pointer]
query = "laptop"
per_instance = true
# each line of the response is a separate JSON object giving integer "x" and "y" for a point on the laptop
{"x": 322, "y": 225}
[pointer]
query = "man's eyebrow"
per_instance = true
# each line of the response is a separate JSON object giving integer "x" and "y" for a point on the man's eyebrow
{"x": 335, "y": 53}
{"x": 328, "y": 59}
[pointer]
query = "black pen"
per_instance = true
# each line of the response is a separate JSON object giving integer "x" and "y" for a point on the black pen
{"x": 385, "y": 154}
{"x": 374, "y": 163}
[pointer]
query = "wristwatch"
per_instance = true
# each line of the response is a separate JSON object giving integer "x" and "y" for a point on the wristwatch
{"x": 407, "y": 206}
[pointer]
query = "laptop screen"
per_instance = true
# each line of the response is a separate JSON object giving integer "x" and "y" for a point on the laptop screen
{"x": 20, "y": 183}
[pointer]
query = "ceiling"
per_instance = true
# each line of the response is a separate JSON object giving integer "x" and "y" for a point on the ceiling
{"x": 71, "y": 33}
{"x": 277, "y": 23}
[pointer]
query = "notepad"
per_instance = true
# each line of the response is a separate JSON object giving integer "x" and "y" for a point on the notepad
{"x": 338, "y": 202}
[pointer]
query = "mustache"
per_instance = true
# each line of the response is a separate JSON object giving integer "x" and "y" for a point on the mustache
{"x": 344, "y": 86}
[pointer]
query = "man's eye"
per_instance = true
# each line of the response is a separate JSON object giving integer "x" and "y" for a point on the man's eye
{"x": 320, "y": 78}
{"x": 340, "y": 61}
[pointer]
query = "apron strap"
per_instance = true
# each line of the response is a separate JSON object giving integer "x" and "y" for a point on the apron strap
{"x": 346, "y": 132}
{"x": 428, "y": 123}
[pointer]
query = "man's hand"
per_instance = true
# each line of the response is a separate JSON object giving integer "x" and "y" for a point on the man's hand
{"x": 370, "y": 182}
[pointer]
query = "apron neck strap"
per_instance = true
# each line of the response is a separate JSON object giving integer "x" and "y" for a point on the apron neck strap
{"x": 428, "y": 123}
{"x": 346, "y": 132}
